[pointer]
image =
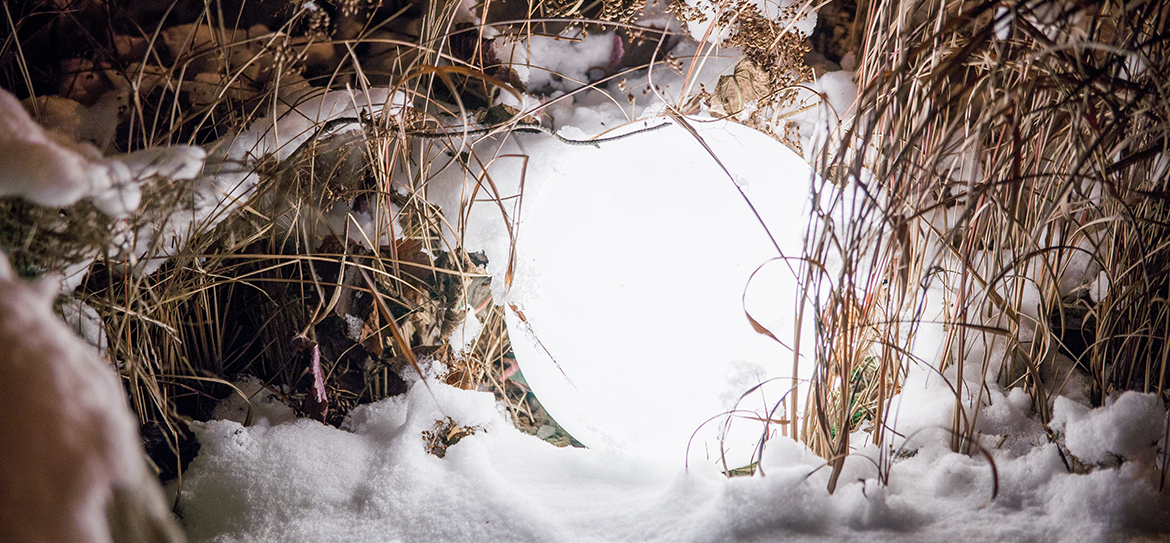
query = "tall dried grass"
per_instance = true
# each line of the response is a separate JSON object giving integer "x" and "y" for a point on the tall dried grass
{"x": 252, "y": 287}
{"x": 1001, "y": 148}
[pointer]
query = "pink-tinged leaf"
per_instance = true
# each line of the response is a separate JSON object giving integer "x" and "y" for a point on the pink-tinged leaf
{"x": 317, "y": 406}
{"x": 617, "y": 52}
{"x": 318, "y": 376}
{"x": 756, "y": 325}
{"x": 509, "y": 371}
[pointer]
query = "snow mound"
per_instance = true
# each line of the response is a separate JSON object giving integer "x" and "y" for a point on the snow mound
{"x": 1130, "y": 426}
{"x": 54, "y": 171}
{"x": 375, "y": 481}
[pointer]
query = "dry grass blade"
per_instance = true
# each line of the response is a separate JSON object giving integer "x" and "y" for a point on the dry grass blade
{"x": 403, "y": 345}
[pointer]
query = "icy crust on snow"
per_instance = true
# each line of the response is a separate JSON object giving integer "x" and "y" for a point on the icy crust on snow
{"x": 374, "y": 481}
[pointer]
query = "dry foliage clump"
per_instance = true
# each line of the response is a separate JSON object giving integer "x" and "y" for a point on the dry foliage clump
{"x": 271, "y": 290}
{"x": 761, "y": 92}
{"x": 38, "y": 238}
{"x": 1001, "y": 148}
{"x": 445, "y": 434}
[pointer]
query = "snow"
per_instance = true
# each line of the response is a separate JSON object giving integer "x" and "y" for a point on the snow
{"x": 53, "y": 171}
{"x": 73, "y": 468}
{"x": 85, "y": 322}
{"x": 792, "y": 15}
{"x": 374, "y": 481}
{"x": 252, "y": 403}
{"x": 546, "y": 64}
{"x": 1126, "y": 427}
{"x": 463, "y": 337}
{"x": 823, "y": 110}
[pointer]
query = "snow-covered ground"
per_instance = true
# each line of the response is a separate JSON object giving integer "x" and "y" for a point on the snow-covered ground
{"x": 374, "y": 480}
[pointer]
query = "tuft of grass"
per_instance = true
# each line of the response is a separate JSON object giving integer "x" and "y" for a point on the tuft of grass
{"x": 266, "y": 287}
{"x": 1001, "y": 150}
